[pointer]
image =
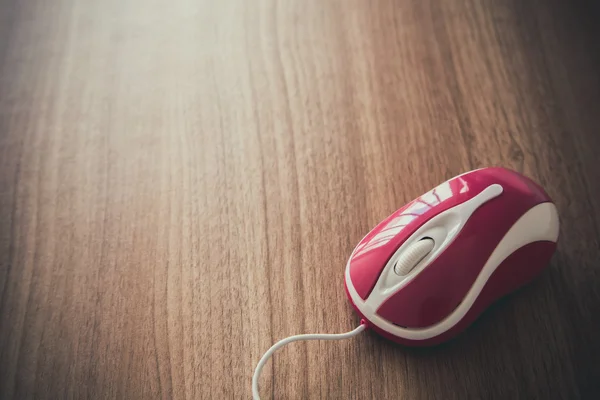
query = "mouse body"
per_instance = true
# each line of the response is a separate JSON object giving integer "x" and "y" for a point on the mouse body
{"x": 431, "y": 268}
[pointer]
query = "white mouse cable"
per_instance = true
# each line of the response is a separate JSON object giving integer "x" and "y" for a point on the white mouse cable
{"x": 309, "y": 336}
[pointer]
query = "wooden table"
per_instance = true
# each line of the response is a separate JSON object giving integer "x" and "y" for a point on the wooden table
{"x": 181, "y": 184}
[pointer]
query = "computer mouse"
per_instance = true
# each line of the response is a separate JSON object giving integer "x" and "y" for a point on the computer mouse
{"x": 426, "y": 272}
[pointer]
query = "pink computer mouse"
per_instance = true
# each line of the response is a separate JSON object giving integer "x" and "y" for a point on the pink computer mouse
{"x": 428, "y": 270}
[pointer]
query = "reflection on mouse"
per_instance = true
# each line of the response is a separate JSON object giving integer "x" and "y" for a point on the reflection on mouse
{"x": 427, "y": 271}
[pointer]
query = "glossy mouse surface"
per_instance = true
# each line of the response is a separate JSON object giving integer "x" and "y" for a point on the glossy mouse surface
{"x": 428, "y": 270}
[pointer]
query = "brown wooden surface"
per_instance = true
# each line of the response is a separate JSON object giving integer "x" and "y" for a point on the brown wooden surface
{"x": 181, "y": 184}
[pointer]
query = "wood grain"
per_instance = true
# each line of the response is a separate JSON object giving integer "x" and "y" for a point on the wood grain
{"x": 181, "y": 184}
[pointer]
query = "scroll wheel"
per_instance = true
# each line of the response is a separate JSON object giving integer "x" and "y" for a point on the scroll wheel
{"x": 413, "y": 255}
